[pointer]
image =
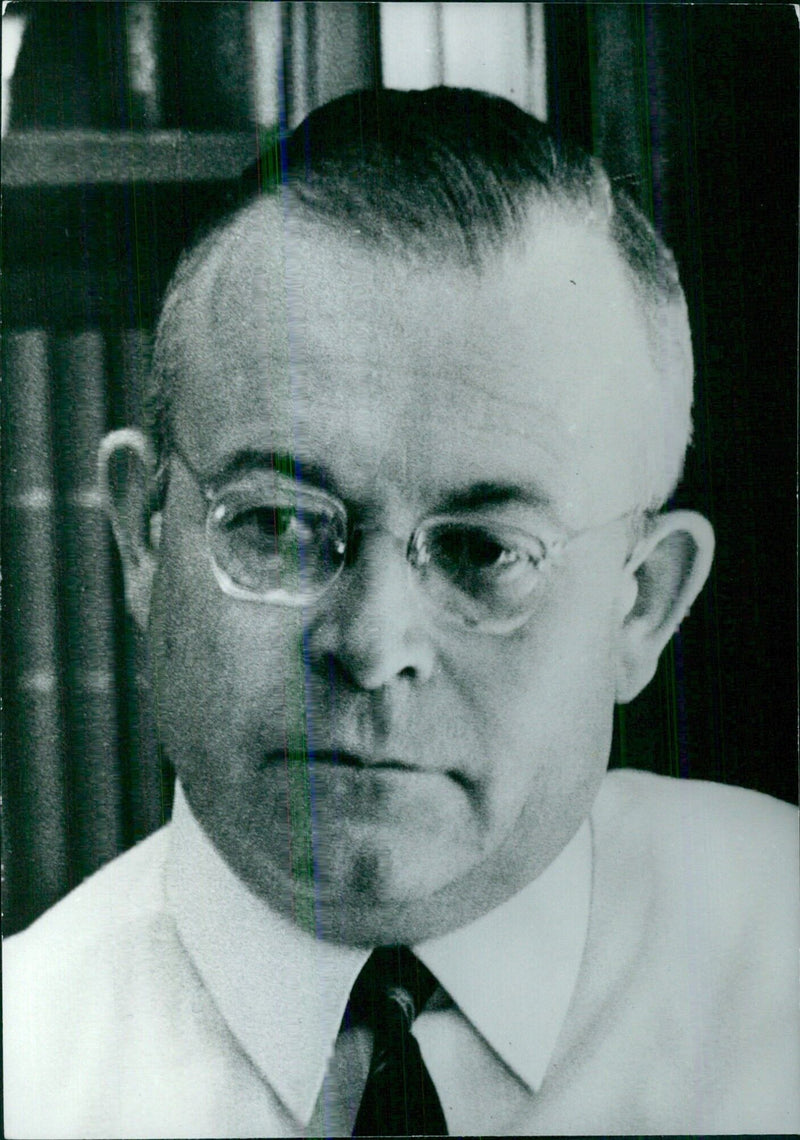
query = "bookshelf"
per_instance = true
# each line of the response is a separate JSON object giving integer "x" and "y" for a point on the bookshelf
{"x": 93, "y": 222}
{"x": 38, "y": 158}
{"x": 112, "y": 210}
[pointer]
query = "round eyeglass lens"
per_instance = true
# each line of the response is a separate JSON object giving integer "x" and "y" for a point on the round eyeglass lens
{"x": 275, "y": 541}
{"x": 480, "y": 575}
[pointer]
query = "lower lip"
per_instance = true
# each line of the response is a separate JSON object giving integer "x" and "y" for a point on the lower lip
{"x": 346, "y": 763}
{"x": 348, "y": 784}
{"x": 386, "y": 797}
{"x": 351, "y": 763}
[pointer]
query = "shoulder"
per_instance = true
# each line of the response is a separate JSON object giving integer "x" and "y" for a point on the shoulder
{"x": 695, "y": 926}
{"x": 631, "y": 790}
{"x": 112, "y": 905}
{"x": 72, "y": 981}
{"x": 726, "y": 856}
{"x": 740, "y": 829}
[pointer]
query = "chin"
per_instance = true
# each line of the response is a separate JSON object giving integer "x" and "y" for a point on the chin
{"x": 356, "y": 922}
{"x": 381, "y": 899}
{"x": 372, "y": 894}
{"x": 393, "y": 866}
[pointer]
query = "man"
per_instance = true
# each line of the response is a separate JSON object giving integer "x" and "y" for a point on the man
{"x": 396, "y": 534}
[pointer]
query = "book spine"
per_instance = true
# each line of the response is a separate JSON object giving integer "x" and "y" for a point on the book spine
{"x": 141, "y": 28}
{"x": 94, "y": 66}
{"x": 325, "y": 51}
{"x": 206, "y": 53}
{"x": 35, "y": 827}
{"x": 98, "y": 784}
{"x": 344, "y": 50}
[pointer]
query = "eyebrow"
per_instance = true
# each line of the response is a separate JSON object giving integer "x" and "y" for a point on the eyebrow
{"x": 492, "y": 494}
{"x": 486, "y": 494}
{"x": 284, "y": 463}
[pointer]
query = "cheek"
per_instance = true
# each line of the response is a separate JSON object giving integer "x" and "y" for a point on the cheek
{"x": 222, "y": 670}
{"x": 542, "y": 699}
{"x": 545, "y": 677}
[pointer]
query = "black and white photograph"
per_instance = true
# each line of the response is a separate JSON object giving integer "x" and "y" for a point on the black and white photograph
{"x": 399, "y": 569}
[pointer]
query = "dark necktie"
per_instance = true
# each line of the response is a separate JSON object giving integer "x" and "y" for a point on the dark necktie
{"x": 399, "y": 1098}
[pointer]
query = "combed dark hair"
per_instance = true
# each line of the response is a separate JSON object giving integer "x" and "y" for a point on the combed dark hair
{"x": 453, "y": 174}
{"x": 429, "y": 169}
{"x": 446, "y": 169}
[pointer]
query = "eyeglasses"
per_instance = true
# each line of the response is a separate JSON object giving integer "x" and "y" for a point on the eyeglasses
{"x": 273, "y": 540}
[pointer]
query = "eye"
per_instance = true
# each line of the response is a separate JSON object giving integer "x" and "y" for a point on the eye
{"x": 268, "y": 528}
{"x": 478, "y": 570}
{"x": 275, "y": 538}
{"x": 466, "y": 550}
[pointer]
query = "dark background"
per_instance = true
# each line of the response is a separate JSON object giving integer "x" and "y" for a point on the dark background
{"x": 717, "y": 88}
{"x": 693, "y": 109}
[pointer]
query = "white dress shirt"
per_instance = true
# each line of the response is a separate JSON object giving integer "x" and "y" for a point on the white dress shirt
{"x": 485, "y": 968}
{"x": 646, "y": 982}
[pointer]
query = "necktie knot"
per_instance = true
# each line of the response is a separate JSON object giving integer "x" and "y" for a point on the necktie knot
{"x": 393, "y": 986}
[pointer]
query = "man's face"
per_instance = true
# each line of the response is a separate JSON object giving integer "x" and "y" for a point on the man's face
{"x": 372, "y": 772}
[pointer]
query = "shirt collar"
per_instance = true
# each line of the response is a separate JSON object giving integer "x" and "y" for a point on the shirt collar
{"x": 512, "y": 972}
{"x": 283, "y": 992}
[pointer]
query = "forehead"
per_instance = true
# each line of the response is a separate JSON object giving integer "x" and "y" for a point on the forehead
{"x": 417, "y": 375}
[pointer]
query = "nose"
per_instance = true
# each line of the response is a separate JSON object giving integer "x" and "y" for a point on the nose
{"x": 369, "y": 623}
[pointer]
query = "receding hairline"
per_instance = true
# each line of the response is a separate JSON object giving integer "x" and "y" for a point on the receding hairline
{"x": 279, "y": 221}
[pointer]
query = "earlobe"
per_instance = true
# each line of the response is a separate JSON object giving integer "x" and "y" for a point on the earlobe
{"x": 666, "y": 572}
{"x": 125, "y": 473}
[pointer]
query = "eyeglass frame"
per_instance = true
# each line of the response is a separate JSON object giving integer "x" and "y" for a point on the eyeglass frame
{"x": 230, "y": 588}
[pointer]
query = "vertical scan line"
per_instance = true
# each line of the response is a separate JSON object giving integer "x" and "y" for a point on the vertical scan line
{"x": 439, "y": 42}
{"x": 536, "y": 58}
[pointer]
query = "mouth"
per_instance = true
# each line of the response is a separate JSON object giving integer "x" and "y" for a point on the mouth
{"x": 342, "y": 759}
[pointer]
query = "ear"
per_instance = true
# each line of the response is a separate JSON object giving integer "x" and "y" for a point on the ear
{"x": 125, "y": 473}
{"x": 666, "y": 571}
